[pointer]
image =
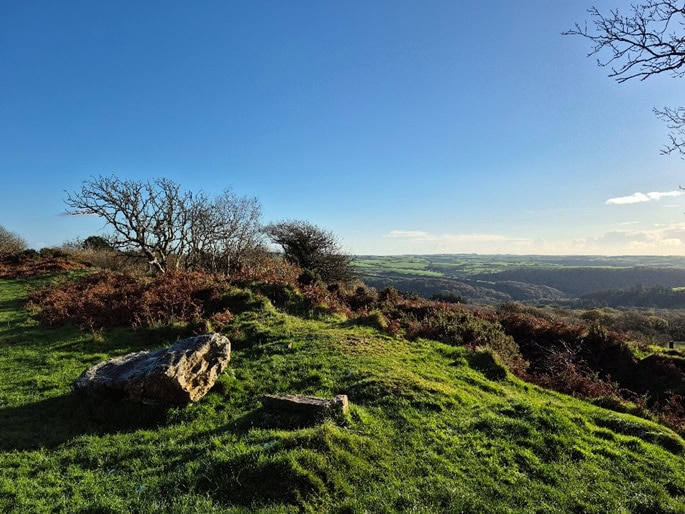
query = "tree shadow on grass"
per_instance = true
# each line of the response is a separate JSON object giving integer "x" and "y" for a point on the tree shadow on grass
{"x": 53, "y": 421}
{"x": 262, "y": 418}
{"x": 9, "y": 308}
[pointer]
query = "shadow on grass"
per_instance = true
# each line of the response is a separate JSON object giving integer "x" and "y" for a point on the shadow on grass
{"x": 10, "y": 307}
{"x": 262, "y": 418}
{"x": 51, "y": 422}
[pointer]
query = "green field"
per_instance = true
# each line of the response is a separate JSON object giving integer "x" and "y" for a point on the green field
{"x": 413, "y": 266}
{"x": 432, "y": 428}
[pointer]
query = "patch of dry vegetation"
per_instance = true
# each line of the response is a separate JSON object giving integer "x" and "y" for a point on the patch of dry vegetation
{"x": 32, "y": 264}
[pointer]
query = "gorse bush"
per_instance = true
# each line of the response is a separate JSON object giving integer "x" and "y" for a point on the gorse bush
{"x": 270, "y": 270}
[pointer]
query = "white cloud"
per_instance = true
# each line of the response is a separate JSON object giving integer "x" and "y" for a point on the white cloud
{"x": 406, "y": 234}
{"x": 656, "y": 240}
{"x": 642, "y": 197}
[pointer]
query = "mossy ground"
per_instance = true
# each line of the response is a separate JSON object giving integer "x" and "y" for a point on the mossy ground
{"x": 432, "y": 428}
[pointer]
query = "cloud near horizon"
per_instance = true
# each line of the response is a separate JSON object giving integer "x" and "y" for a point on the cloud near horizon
{"x": 418, "y": 235}
{"x": 642, "y": 197}
{"x": 659, "y": 240}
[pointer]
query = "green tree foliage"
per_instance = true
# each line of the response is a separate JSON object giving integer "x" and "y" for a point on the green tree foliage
{"x": 10, "y": 242}
{"x": 96, "y": 243}
{"x": 637, "y": 296}
{"x": 312, "y": 248}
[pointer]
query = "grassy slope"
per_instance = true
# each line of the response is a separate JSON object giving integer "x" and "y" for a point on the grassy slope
{"x": 432, "y": 428}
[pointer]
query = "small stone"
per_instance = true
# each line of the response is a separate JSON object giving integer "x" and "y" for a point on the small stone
{"x": 341, "y": 404}
{"x": 310, "y": 406}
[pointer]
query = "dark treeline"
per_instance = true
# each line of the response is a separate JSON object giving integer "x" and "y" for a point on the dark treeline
{"x": 659, "y": 297}
{"x": 581, "y": 281}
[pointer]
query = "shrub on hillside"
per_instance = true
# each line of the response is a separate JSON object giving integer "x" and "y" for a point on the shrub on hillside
{"x": 671, "y": 412}
{"x": 29, "y": 263}
{"x": 107, "y": 259}
{"x": 564, "y": 371}
{"x": 272, "y": 270}
{"x": 416, "y": 317}
{"x": 94, "y": 301}
{"x": 313, "y": 249}
{"x": 11, "y": 243}
{"x": 108, "y": 299}
{"x": 362, "y": 299}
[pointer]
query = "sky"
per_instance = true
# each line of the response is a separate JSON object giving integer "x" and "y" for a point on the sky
{"x": 404, "y": 127}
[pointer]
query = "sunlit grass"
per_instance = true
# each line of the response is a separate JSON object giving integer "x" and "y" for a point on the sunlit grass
{"x": 432, "y": 428}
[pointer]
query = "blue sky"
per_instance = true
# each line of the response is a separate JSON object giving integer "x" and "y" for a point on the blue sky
{"x": 404, "y": 127}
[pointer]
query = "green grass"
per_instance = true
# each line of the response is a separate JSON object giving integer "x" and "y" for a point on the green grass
{"x": 401, "y": 265}
{"x": 432, "y": 428}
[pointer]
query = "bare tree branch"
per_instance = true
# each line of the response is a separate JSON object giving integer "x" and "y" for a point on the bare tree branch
{"x": 147, "y": 217}
{"x": 649, "y": 41}
{"x": 675, "y": 121}
{"x": 170, "y": 227}
{"x": 225, "y": 232}
{"x": 10, "y": 242}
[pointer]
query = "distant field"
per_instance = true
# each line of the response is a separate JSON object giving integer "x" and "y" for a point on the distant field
{"x": 528, "y": 278}
{"x": 403, "y": 265}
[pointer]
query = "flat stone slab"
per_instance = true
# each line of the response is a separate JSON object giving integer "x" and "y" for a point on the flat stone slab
{"x": 177, "y": 375}
{"x": 311, "y": 406}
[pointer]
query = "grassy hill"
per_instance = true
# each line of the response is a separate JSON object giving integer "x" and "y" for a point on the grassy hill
{"x": 433, "y": 427}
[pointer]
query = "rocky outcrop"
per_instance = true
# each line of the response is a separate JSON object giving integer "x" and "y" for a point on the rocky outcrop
{"x": 182, "y": 373}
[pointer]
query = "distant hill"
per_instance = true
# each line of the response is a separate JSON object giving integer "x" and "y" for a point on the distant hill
{"x": 528, "y": 279}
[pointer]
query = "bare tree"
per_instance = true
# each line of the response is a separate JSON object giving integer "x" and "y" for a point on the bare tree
{"x": 225, "y": 233}
{"x": 171, "y": 227}
{"x": 650, "y": 40}
{"x": 10, "y": 242}
{"x": 152, "y": 218}
{"x": 311, "y": 248}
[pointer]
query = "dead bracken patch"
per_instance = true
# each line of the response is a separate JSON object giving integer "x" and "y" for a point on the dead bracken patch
{"x": 24, "y": 267}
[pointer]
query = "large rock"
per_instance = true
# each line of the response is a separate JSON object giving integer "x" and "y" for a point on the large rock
{"x": 182, "y": 373}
